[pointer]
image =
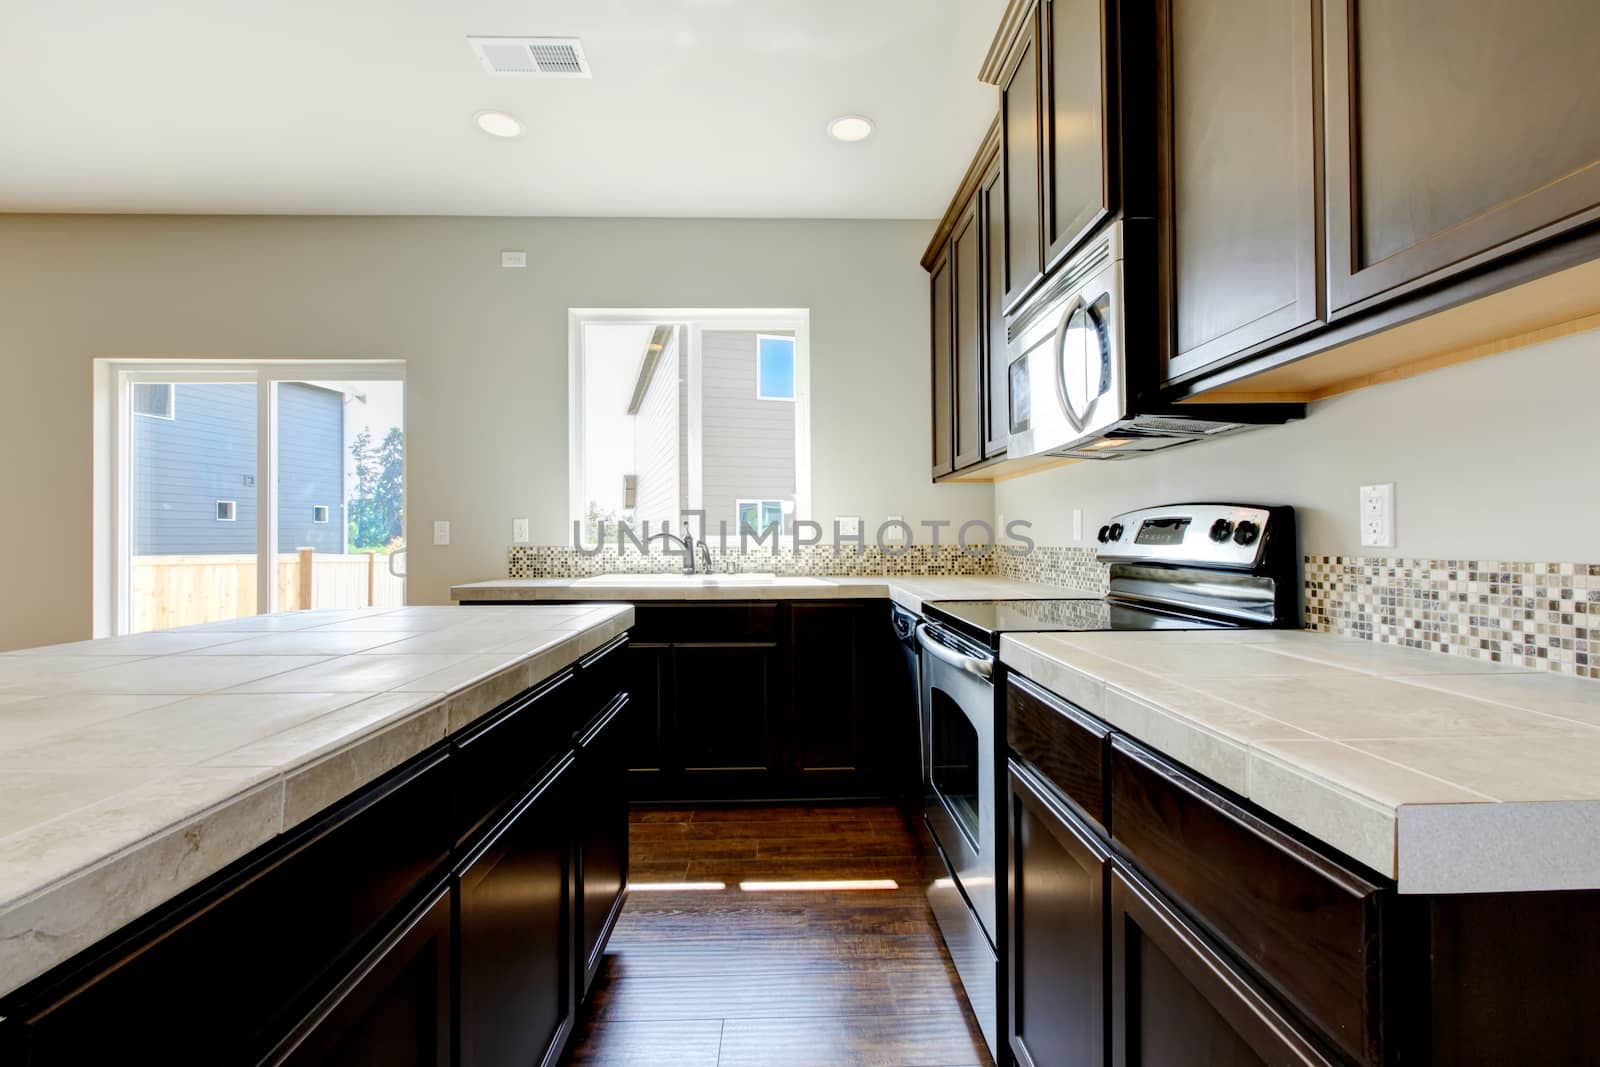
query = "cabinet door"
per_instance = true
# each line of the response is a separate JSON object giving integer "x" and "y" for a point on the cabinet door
{"x": 1456, "y": 133}
{"x": 515, "y": 930}
{"x": 1059, "y": 963}
{"x": 646, "y": 716}
{"x": 1176, "y": 999}
{"x": 726, "y": 718}
{"x": 1021, "y": 137}
{"x": 602, "y": 836}
{"x": 996, "y": 349}
{"x": 395, "y": 1007}
{"x": 825, "y": 735}
{"x": 942, "y": 326}
{"x": 966, "y": 258}
{"x": 1077, "y": 158}
{"x": 1239, "y": 197}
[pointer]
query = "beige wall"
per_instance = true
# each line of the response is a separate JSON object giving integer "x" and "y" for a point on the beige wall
{"x": 486, "y": 353}
{"x": 1495, "y": 459}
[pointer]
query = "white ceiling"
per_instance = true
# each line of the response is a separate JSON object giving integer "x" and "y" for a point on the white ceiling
{"x": 696, "y": 107}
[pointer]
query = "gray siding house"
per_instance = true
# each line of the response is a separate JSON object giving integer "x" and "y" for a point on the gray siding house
{"x": 204, "y": 455}
{"x": 747, "y": 442}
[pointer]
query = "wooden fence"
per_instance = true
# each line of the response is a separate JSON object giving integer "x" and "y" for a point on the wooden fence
{"x": 166, "y": 591}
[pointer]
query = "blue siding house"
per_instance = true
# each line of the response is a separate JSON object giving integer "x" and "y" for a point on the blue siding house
{"x": 194, "y": 472}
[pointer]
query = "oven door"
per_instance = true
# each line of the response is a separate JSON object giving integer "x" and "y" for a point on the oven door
{"x": 959, "y": 709}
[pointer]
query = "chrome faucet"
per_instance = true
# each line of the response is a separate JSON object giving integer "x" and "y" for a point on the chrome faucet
{"x": 688, "y": 544}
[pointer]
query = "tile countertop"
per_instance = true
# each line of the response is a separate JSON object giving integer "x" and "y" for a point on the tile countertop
{"x": 909, "y": 591}
{"x": 133, "y": 767}
{"x": 1450, "y": 775}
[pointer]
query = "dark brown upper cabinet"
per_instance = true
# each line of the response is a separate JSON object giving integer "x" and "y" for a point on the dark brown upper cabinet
{"x": 966, "y": 259}
{"x": 1021, "y": 151}
{"x": 1240, "y": 203}
{"x": 942, "y": 325}
{"x": 1456, "y": 133}
{"x": 1077, "y": 156}
{"x": 996, "y": 353}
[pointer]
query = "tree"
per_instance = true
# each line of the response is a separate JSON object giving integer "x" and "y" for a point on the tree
{"x": 377, "y": 510}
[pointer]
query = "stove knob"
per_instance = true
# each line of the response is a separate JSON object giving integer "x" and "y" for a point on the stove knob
{"x": 1116, "y": 531}
{"x": 1104, "y": 534}
{"x": 1246, "y": 533}
{"x": 1221, "y": 530}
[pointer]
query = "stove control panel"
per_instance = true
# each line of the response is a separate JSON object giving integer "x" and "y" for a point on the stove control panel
{"x": 1211, "y": 535}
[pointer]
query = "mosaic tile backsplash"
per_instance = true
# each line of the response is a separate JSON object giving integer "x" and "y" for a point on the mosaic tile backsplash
{"x": 1532, "y": 615}
{"x": 560, "y": 561}
{"x": 1536, "y": 616}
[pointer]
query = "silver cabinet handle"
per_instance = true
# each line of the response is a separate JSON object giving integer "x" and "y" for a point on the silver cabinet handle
{"x": 983, "y": 668}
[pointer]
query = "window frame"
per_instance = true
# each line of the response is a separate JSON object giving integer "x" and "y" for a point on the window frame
{"x": 794, "y": 322}
{"x": 233, "y": 511}
{"x": 113, "y": 459}
{"x": 761, "y": 506}
{"x": 793, "y": 368}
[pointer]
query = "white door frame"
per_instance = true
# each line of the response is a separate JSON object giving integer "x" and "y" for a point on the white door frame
{"x": 114, "y": 379}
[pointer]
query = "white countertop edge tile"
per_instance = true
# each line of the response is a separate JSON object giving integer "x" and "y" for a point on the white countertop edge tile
{"x": 1508, "y": 847}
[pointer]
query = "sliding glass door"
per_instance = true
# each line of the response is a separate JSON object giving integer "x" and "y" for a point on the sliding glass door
{"x": 249, "y": 488}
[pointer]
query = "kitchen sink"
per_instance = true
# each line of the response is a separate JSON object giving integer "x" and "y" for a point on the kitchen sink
{"x": 695, "y": 581}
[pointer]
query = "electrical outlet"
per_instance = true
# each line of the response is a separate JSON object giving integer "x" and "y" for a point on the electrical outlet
{"x": 848, "y": 525}
{"x": 1377, "y": 516}
{"x": 441, "y": 532}
{"x": 513, "y": 259}
{"x": 519, "y": 531}
{"x": 894, "y": 535}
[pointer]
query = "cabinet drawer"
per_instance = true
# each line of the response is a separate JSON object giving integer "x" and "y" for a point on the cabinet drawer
{"x": 500, "y": 756}
{"x": 1066, "y": 745}
{"x": 602, "y": 674}
{"x": 702, "y": 623}
{"x": 1310, "y": 928}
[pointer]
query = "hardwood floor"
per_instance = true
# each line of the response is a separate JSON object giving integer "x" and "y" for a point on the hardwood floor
{"x": 791, "y": 978}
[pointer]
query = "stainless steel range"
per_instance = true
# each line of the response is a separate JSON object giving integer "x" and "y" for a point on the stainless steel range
{"x": 1184, "y": 566}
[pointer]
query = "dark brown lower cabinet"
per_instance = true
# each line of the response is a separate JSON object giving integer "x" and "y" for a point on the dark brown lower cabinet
{"x": 1177, "y": 999}
{"x": 765, "y": 701}
{"x": 602, "y": 845}
{"x": 514, "y": 929}
{"x": 394, "y": 1008}
{"x": 1057, "y": 933}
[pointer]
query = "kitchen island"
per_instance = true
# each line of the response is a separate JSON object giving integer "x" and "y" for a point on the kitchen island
{"x": 263, "y": 838}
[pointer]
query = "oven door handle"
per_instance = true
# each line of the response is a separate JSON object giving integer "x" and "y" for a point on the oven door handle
{"x": 983, "y": 668}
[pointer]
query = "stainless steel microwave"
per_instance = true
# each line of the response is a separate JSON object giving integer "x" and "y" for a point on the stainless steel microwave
{"x": 1077, "y": 350}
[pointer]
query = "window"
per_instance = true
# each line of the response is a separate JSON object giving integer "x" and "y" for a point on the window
{"x": 269, "y": 446}
{"x": 774, "y": 367}
{"x": 671, "y": 418}
{"x": 154, "y": 399}
{"x": 762, "y": 515}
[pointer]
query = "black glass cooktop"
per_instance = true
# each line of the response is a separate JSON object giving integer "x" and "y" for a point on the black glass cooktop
{"x": 986, "y": 620}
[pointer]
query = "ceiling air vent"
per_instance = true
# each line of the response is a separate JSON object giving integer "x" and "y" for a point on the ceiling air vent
{"x": 531, "y": 57}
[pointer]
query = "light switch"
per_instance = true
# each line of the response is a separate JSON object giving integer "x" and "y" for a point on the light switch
{"x": 849, "y": 525}
{"x": 441, "y": 532}
{"x": 1077, "y": 524}
{"x": 519, "y": 531}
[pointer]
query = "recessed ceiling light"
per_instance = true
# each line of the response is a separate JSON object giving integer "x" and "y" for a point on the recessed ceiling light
{"x": 850, "y": 128}
{"x": 497, "y": 124}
